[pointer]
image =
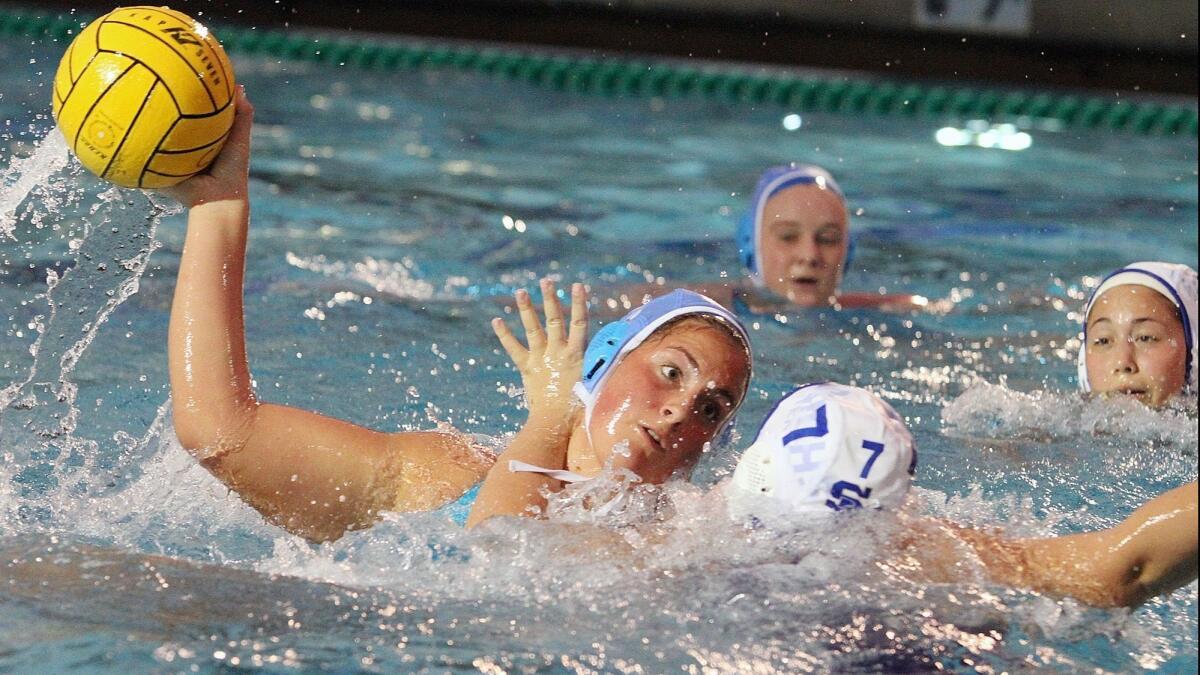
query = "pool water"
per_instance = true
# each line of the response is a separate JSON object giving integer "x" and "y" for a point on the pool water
{"x": 393, "y": 213}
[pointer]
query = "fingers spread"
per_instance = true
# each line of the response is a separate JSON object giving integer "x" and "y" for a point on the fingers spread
{"x": 534, "y": 335}
{"x": 553, "y": 311}
{"x": 577, "y": 333}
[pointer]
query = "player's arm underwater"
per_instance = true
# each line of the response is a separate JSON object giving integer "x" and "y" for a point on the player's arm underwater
{"x": 311, "y": 474}
{"x": 893, "y": 302}
{"x": 549, "y": 368}
{"x": 1152, "y": 552}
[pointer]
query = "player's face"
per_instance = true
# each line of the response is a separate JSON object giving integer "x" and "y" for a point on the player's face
{"x": 805, "y": 233}
{"x": 1136, "y": 345}
{"x": 666, "y": 399}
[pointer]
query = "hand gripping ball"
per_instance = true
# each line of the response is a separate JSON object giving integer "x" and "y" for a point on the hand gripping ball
{"x": 144, "y": 97}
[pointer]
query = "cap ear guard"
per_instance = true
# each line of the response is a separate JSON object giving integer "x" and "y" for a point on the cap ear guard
{"x": 746, "y": 244}
{"x": 602, "y": 351}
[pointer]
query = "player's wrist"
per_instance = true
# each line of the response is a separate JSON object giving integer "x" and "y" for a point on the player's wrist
{"x": 225, "y": 211}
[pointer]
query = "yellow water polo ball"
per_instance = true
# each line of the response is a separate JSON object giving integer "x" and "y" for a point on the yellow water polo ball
{"x": 144, "y": 96}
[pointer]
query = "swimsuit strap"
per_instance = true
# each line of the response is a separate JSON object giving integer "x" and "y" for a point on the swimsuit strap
{"x": 516, "y": 466}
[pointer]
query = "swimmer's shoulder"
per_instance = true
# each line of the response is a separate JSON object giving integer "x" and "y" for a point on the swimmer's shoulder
{"x": 432, "y": 468}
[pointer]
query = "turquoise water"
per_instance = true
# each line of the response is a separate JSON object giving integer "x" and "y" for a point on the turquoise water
{"x": 390, "y": 213}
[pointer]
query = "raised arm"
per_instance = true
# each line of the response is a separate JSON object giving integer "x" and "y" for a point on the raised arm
{"x": 549, "y": 368}
{"x": 314, "y": 475}
{"x": 1150, "y": 553}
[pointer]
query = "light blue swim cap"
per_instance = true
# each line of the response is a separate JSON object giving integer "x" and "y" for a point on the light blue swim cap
{"x": 622, "y": 336}
{"x": 773, "y": 181}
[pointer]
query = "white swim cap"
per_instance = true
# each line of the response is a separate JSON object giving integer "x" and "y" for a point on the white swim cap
{"x": 1176, "y": 283}
{"x": 825, "y": 447}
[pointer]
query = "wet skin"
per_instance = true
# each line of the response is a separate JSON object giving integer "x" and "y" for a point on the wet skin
{"x": 804, "y": 239}
{"x": 1136, "y": 345}
{"x": 663, "y": 402}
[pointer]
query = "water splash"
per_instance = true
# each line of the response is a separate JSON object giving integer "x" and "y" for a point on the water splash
{"x": 22, "y": 176}
{"x": 90, "y": 251}
{"x": 995, "y": 411}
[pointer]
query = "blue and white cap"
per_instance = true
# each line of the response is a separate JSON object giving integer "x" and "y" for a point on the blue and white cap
{"x": 612, "y": 342}
{"x": 773, "y": 181}
{"x": 1176, "y": 283}
{"x": 824, "y": 448}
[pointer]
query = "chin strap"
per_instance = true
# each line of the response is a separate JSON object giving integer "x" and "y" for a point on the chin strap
{"x": 516, "y": 466}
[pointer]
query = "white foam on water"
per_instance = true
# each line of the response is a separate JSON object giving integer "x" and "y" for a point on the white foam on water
{"x": 612, "y": 556}
{"x": 398, "y": 279}
{"x": 175, "y": 507}
{"x": 995, "y": 411}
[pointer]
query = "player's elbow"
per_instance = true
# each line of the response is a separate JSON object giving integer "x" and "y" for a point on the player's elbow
{"x": 1131, "y": 595}
{"x": 1126, "y": 586}
{"x": 208, "y": 436}
{"x": 1128, "y": 594}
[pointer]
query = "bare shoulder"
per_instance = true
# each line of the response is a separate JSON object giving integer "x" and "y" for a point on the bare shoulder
{"x": 432, "y": 468}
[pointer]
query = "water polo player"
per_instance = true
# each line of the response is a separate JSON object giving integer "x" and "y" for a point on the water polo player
{"x": 657, "y": 386}
{"x": 794, "y": 241}
{"x": 317, "y": 476}
{"x": 827, "y": 448}
{"x": 1139, "y": 333}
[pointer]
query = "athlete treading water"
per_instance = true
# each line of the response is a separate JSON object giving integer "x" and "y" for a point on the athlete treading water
{"x": 795, "y": 242}
{"x": 663, "y": 393}
{"x": 1139, "y": 333}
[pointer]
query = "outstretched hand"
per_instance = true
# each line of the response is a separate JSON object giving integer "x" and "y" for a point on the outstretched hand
{"x": 227, "y": 177}
{"x": 551, "y": 364}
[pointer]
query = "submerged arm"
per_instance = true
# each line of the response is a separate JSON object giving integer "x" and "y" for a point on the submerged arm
{"x": 1150, "y": 553}
{"x": 311, "y": 474}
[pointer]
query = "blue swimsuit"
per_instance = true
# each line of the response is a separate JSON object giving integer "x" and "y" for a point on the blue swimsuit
{"x": 459, "y": 509}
